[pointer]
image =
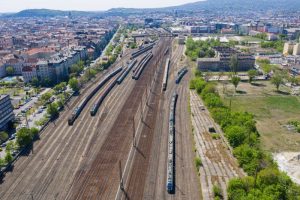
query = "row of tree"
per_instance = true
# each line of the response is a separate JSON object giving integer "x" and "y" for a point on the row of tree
{"x": 265, "y": 181}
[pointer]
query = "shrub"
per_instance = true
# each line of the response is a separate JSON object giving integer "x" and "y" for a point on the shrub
{"x": 215, "y": 136}
{"x": 217, "y": 191}
{"x": 198, "y": 163}
{"x": 212, "y": 100}
{"x": 248, "y": 158}
{"x": 236, "y": 135}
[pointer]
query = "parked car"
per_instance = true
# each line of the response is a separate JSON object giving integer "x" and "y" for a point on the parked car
{"x": 12, "y": 137}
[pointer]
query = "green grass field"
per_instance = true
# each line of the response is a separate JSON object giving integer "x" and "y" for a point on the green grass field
{"x": 271, "y": 111}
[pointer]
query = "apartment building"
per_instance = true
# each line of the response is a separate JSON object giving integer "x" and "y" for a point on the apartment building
{"x": 6, "y": 112}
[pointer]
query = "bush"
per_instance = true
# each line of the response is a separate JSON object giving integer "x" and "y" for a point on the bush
{"x": 217, "y": 192}
{"x": 215, "y": 136}
{"x": 248, "y": 158}
{"x": 236, "y": 135}
{"x": 198, "y": 163}
{"x": 212, "y": 100}
{"x": 197, "y": 84}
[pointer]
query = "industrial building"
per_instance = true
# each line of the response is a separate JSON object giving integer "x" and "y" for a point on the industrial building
{"x": 221, "y": 62}
{"x": 6, "y": 112}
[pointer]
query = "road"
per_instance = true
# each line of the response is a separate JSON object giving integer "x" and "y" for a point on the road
{"x": 49, "y": 171}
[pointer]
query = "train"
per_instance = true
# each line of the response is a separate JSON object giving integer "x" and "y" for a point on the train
{"x": 166, "y": 74}
{"x": 180, "y": 75}
{"x": 125, "y": 73}
{"x": 140, "y": 63}
{"x": 171, "y": 146}
{"x": 78, "y": 109}
{"x": 167, "y": 51}
{"x": 96, "y": 105}
{"x": 136, "y": 75}
{"x": 141, "y": 51}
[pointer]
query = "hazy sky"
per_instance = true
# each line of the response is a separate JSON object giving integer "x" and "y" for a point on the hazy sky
{"x": 92, "y": 5}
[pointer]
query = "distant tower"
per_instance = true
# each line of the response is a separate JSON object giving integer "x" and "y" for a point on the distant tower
{"x": 70, "y": 15}
{"x": 176, "y": 13}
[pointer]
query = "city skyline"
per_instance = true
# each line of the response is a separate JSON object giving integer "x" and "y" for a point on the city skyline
{"x": 87, "y": 5}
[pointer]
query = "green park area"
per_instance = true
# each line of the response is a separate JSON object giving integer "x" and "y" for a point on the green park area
{"x": 272, "y": 111}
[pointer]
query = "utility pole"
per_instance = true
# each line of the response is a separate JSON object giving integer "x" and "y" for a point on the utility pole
{"x": 133, "y": 137}
{"x": 27, "y": 124}
{"x": 121, "y": 178}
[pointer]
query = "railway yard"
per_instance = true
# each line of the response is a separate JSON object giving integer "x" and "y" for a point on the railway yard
{"x": 124, "y": 137}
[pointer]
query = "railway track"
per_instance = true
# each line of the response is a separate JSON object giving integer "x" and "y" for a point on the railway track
{"x": 100, "y": 179}
{"x": 137, "y": 176}
{"x": 187, "y": 184}
{"x": 55, "y": 159}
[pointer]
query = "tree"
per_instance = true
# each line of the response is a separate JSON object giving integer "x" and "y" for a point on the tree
{"x": 248, "y": 158}
{"x": 34, "y": 131}
{"x": 90, "y": 73}
{"x": 2, "y": 162}
{"x": 10, "y": 146}
{"x": 59, "y": 87}
{"x": 74, "y": 85}
{"x": 252, "y": 73}
{"x": 8, "y": 157}
{"x": 46, "y": 82}
{"x": 24, "y": 137}
{"x": 35, "y": 82}
{"x": 46, "y": 97}
{"x": 235, "y": 80}
{"x": 10, "y": 70}
{"x": 294, "y": 80}
{"x": 52, "y": 110}
{"x": 3, "y": 136}
{"x": 277, "y": 80}
{"x": 77, "y": 68}
{"x": 236, "y": 135}
{"x": 234, "y": 63}
{"x": 198, "y": 73}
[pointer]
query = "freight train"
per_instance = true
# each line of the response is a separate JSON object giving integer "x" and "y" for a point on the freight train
{"x": 180, "y": 74}
{"x": 141, "y": 51}
{"x": 142, "y": 66}
{"x": 76, "y": 112}
{"x": 125, "y": 73}
{"x": 166, "y": 74}
{"x": 171, "y": 146}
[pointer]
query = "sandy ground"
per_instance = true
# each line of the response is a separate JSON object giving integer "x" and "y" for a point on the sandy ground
{"x": 289, "y": 162}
